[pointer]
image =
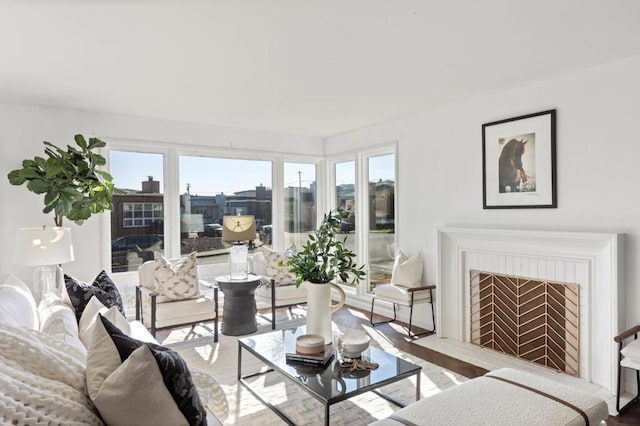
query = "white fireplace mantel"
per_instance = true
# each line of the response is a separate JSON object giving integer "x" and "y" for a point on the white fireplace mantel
{"x": 595, "y": 260}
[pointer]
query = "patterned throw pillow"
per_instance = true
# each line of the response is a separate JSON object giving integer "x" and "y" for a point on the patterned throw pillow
{"x": 280, "y": 274}
{"x": 128, "y": 379}
{"x": 102, "y": 287}
{"x": 177, "y": 279}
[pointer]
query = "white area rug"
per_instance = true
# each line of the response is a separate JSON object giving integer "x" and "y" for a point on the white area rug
{"x": 220, "y": 360}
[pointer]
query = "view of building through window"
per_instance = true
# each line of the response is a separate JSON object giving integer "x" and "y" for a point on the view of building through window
{"x": 345, "y": 173}
{"x": 137, "y": 218}
{"x": 211, "y": 188}
{"x": 300, "y": 209}
{"x": 381, "y": 218}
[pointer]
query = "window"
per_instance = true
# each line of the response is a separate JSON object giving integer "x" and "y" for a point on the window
{"x": 211, "y": 188}
{"x": 381, "y": 205}
{"x": 137, "y": 218}
{"x": 300, "y": 209}
{"x": 141, "y": 214}
{"x": 345, "y": 173}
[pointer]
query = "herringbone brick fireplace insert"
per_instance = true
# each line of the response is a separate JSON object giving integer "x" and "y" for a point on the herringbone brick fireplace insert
{"x": 531, "y": 319}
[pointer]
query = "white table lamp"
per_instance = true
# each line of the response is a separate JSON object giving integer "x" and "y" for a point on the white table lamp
{"x": 238, "y": 229}
{"x": 46, "y": 248}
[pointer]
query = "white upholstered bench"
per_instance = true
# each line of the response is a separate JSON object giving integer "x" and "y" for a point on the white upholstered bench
{"x": 504, "y": 397}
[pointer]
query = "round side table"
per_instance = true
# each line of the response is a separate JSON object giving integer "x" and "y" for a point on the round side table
{"x": 239, "y": 312}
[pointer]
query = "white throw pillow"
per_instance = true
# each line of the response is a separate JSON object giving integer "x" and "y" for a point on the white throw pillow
{"x": 59, "y": 320}
{"x": 136, "y": 383}
{"x": 177, "y": 279}
{"x": 90, "y": 315}
{"x": 17, "y": 305}
{"x": 632, "y": 350}
{"x": 407, "y": 271}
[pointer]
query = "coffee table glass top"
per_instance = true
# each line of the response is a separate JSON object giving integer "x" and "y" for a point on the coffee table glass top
{"x": 332, "y": 382}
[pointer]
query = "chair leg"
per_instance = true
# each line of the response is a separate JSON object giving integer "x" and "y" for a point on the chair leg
{"x": 381, "y": 322}
{"x": 426, "y": 333}
{"x": 216, "y": 319}
{"x": 138, "y": 304}
{"x": 153, "y": 315}
{"x": 273, "y": 304}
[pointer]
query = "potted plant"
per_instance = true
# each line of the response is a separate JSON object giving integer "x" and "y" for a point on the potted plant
{"x": 321, "y": 260}
{"x": 72, "y": 185}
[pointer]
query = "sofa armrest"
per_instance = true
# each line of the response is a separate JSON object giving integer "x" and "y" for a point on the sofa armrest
{"x": 212, "y": 396}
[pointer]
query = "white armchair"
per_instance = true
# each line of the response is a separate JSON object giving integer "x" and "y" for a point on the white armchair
{"x": 405, "y": 289}
{"x": 628, "y": 357}
{"x": 405, "y": 296}
{"x": 278, "y": 288}
{"x": 171, "y": 295}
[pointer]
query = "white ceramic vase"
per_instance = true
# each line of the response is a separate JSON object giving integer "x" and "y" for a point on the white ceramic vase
{"x": 320, "y": 308}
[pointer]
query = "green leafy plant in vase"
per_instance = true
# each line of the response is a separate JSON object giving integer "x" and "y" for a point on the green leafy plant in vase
{"x": 322, "y": 259}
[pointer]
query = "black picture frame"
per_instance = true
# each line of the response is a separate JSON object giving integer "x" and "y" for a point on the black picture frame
{"x": 519, "y": 162}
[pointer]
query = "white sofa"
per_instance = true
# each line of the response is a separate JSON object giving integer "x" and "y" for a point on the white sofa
{"x": 504, "y": 397}
{"x": 43, "y": 359}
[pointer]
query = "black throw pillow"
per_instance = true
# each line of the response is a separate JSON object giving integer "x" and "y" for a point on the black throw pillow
{"x": 175, "y": 373}
{"x": 102, "y": 287}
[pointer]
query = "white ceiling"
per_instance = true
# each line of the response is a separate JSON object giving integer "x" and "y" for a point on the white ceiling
{"x": 305, "y": 67}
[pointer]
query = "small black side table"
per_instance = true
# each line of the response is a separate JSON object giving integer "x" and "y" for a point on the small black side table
{"x": 239, "y": 312}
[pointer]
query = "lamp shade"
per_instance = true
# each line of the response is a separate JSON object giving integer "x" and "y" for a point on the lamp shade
{"x": 42, "y": 246}
{"x": 238, "y": 228}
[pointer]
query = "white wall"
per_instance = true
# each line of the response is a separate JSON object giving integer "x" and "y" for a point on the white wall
{"x": 598, "y": 156}
{"x": 22, "y": 130}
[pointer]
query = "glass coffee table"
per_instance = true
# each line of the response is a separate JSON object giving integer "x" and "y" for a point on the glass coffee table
{"x": 329, "y": 384}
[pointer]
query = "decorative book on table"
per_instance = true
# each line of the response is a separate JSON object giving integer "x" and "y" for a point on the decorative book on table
{"x": 320, "y": 358}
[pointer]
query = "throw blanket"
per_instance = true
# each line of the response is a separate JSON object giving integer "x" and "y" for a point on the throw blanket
{"x": 42, "y": 380}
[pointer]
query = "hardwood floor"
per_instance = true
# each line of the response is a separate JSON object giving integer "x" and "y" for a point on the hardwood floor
{"x": 347, "y": 318}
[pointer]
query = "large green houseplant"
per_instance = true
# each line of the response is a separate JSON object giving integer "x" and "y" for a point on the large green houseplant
{"x": 70, "y": 180}
{"x": 325, "y": 256}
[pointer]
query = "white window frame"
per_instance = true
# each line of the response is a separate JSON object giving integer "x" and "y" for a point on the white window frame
{"x": 361, "y": 158}
{"x": 171, "y": 154}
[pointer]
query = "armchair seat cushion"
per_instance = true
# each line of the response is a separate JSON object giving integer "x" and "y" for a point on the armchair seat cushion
{"x": 285, "y": 295}
{"x": 397, "y": 294}
{"x": 201, "y": 308}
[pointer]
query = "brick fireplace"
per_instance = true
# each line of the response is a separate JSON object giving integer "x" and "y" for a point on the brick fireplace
{"x": 589, "y": 261}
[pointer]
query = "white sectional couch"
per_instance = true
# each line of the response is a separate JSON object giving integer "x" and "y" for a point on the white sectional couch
{"x": 43, "y": 361}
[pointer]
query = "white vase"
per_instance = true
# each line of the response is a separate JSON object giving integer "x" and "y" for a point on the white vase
{"x": 319, "y": 308}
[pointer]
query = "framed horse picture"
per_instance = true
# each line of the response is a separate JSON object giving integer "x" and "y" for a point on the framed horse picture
{"x": 519, "y": 162}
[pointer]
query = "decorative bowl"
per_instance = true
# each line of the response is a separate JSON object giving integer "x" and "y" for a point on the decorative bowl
{"x": 351, "y": 345}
